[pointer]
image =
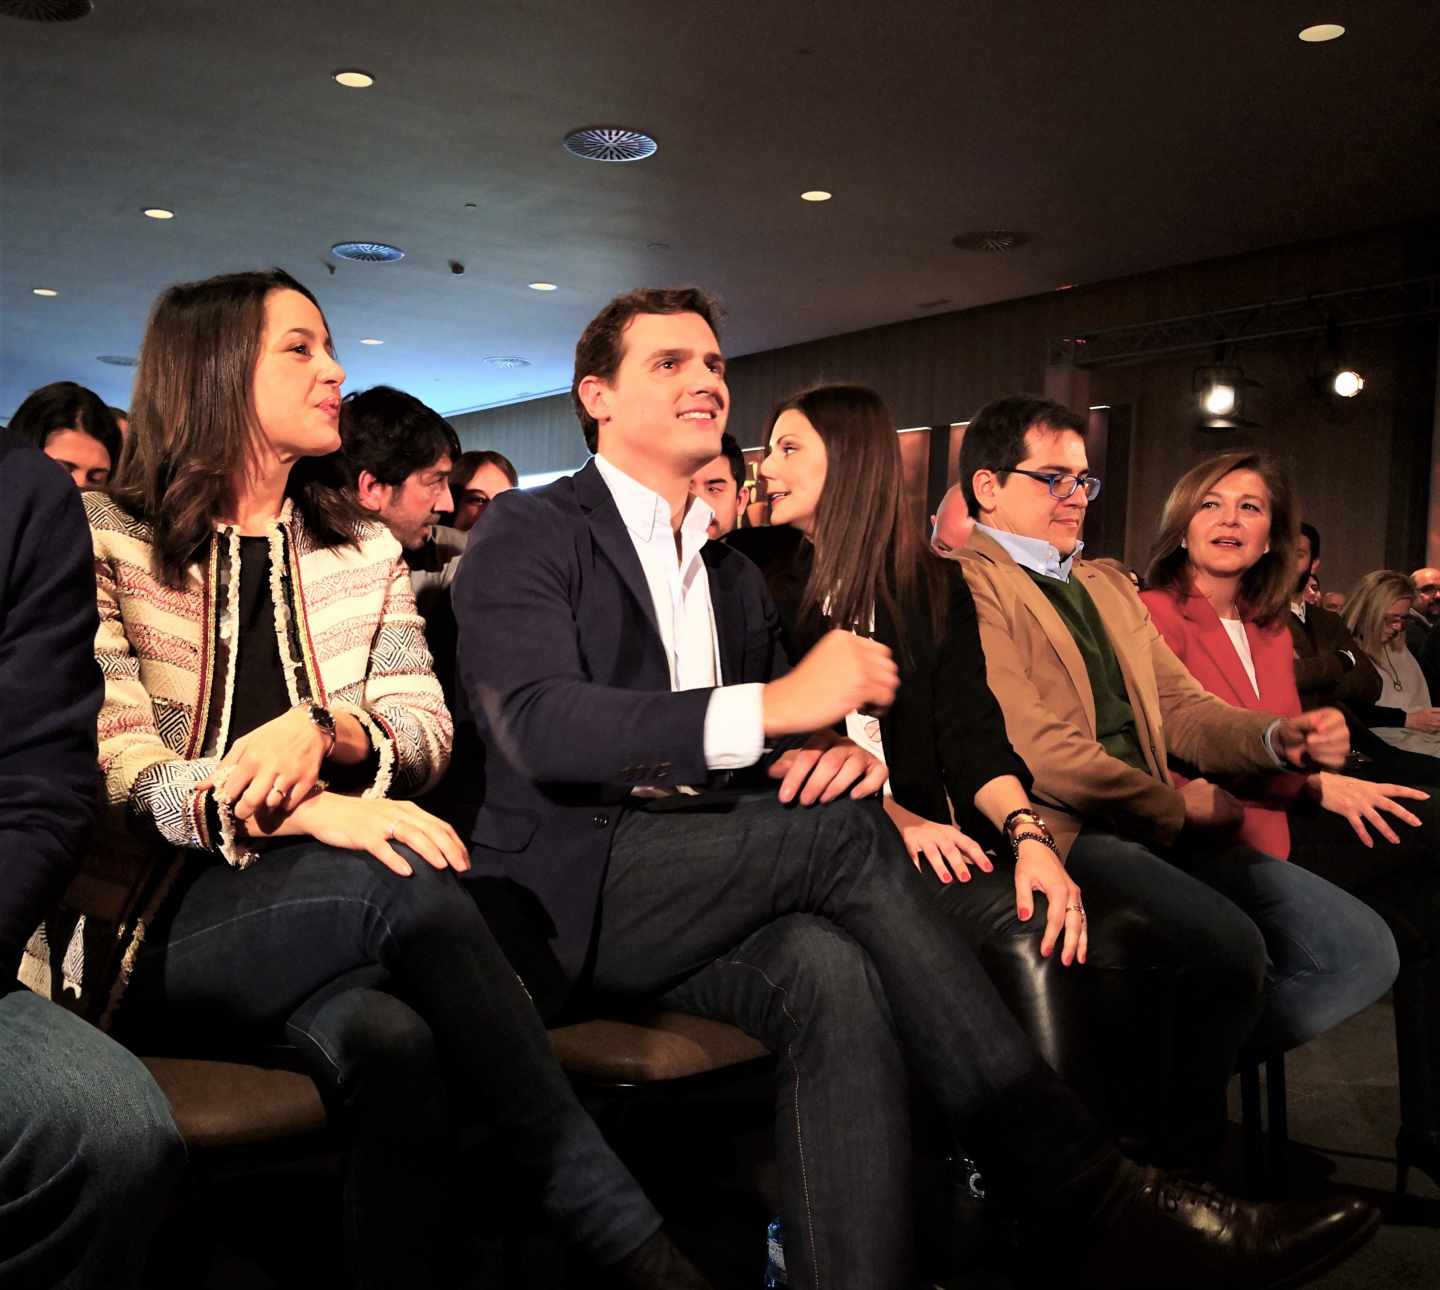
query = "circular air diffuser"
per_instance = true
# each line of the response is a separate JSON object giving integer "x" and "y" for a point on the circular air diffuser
{"x": 47, "y": 10}
{"x": 367, "y": 252}
{"x": 610, "y": 143}
{"x": 990, "y": 239}
{"x": 119, "y": 360}
{"x": 506, "y": 360}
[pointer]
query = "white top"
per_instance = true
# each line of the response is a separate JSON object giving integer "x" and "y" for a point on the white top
{"x": 1396, "y": 662}
{"x": 865, "y": 732}
{"x": 1236, "y": 630}
{"x": 680, "y": 595}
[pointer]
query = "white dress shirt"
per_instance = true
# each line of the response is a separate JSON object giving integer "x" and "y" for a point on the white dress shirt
{"x": 680, "y": 595}
{"x": 1236, "y": 631}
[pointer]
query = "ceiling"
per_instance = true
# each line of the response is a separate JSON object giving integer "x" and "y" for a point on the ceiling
{"x": 1120, "y": 136}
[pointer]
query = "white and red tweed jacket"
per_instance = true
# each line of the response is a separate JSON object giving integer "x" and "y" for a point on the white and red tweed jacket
{"x": 349, "y": 637}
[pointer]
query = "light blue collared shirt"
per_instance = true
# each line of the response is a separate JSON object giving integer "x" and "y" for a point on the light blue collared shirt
{"x": 1035, "y": 554}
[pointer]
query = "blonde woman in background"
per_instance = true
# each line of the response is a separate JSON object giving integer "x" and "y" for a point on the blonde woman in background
{"x": 1375, "y": 613}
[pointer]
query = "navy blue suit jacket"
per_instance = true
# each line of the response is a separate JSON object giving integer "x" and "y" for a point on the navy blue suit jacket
{"x": 567, "y": 685}
{"x": 50, "y": 691}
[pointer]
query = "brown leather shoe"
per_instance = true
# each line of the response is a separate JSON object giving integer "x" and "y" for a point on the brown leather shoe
{"x": 1160, "y": 1230}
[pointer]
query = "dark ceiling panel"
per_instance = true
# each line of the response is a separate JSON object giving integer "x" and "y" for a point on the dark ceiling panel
{"x": 1121, "y": 137}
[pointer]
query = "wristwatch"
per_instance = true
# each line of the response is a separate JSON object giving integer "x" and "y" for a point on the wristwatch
{"x": 323, "y": 720}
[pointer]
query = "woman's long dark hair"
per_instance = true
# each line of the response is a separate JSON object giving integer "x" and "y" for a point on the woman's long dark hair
{"x": 868, "y": 551}
{"x": 66, "y": 406}
{"x": 1265, "y": 588}
{"x": 193, "y": 428}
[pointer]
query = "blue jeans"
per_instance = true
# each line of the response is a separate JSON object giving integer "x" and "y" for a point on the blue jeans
{"x": 294, "y": 944}
{"x": 88, "y": 1152}
{"x": 1311, "y": 954}
{"x": 810, "y": 929}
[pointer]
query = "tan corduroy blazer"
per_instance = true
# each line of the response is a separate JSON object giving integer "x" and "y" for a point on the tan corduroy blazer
{"x": 1038, "y": 674}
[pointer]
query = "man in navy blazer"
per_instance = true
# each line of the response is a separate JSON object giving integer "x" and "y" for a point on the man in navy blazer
{"x": 623, "y": 674}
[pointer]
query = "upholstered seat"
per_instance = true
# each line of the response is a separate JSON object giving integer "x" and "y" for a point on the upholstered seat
{"x": 650, "y": 1048}
{"x": 219, "y": 1105}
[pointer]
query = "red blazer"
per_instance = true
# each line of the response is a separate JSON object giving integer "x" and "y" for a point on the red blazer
{"x": 1192, "y": 628}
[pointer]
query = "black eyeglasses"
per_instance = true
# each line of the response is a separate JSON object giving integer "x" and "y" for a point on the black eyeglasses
{"x": 1061, "y": 486}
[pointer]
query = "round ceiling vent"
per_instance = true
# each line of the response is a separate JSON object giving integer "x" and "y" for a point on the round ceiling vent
{"x": 367, "y": 252}
{"x": 506, "y": 360}
{"x": 990, "y": 239}
{"x": 47, "y": 10}
{"x": 119, "y": 360}
{"x": 610, "y": 143}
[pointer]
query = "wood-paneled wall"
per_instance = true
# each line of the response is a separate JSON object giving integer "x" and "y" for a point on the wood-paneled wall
{"x": 1362, "y": 468}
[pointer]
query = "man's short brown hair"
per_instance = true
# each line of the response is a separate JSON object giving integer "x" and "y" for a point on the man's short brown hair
{"x": 599, "y": 349}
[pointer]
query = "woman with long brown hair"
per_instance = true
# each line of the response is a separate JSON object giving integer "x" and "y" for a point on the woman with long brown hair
{"x": 269, "y": 702}
{"x": 1220, "y": 578}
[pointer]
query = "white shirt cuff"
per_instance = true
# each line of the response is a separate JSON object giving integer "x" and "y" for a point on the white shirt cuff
{"x": 734, "y": 727}
{"x": 1269, "y": 747}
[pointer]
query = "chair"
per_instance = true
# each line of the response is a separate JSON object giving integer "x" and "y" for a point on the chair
{"x": 1267, "y": 1170}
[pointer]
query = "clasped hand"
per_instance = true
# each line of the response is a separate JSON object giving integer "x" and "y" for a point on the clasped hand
{"x": 824, "y": 768}
{"x": 949, "y": 851}
{"x": 275, "y": 766}
{"x": 368, "y": 824}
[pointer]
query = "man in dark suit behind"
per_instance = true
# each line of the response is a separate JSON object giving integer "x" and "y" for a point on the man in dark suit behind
{"x": 617, "y": 664}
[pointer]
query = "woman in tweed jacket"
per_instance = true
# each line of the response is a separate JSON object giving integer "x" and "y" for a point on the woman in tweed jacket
{"x": 268, "y": 701}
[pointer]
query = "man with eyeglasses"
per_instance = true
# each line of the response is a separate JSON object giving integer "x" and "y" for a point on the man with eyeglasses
{"x": 1420, "y": 634}
{"x": 1095, "y": 702}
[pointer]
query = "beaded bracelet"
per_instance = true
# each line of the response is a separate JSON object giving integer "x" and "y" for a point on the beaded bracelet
{"x": 1040, "y": 832}
{"x": 1041, "y": 838}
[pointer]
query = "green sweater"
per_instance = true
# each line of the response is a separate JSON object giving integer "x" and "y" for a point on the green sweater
{"x": 1114, "y": 717}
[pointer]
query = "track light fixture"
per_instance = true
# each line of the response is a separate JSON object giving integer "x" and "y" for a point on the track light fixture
{"x": 1347, "y": 383}
{"x": 1220, "y": 392}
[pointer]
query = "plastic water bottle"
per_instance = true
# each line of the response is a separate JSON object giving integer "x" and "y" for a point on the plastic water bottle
{"x": 775, "y": 1256}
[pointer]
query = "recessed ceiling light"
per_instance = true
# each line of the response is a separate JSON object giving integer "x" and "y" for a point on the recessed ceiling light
{"x": 816, "y": 195}
{"x": 1321, "y": 32}
{"x": 119, "y": 360}
{"x": 43, "y": 291}
{"x": 610, "y": 143}
{"x": 371, "y": 340}
{"x": 157, "y": 212}
{"x": 367, "y": 252}
{"x": 542, "y": 286}
{"x": 354, "y": 79}
{"x": 506, "y": 360}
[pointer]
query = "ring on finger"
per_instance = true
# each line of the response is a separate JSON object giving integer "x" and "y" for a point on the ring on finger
{"x": 390, "y": 832}
{"x": 277, "y": 787}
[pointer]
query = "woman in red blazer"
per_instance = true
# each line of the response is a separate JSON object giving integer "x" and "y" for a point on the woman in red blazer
{"x": 1219, "y": 584}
